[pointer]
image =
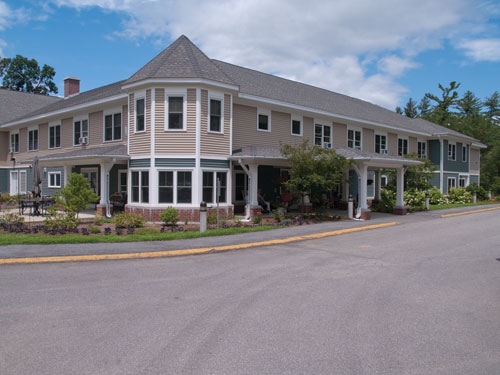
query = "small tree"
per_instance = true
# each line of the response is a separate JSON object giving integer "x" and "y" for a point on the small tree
{"x": 76, "y": 195}
{"x": 313, "y": 170}
{"x": 170, "y": 216}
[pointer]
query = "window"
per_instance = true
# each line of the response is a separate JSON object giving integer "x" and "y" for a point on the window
{"x": 402, "y": 146}
{"x": 165, "y": 187}
{"x": 323, "y": 136}
{"x": 81, "y": 130}
{"x": 14, "y": 142}
{"x": 422, "y": 150}
{"x": 381, "y": 144}
{"x": 140, "y": 124}
{"x": 452, "y": 151}
{"x": 462, "y": 181}
{"x": 354, "y": 139}
{"x": 184, "y": 187}
{"x": 464, "y": 154}
{"x": 264, "y": 120}
{"x": 210, "y": 186}
{"x": 296, "y": 126}
{"x": 54, "y": 179}
{"x": 55, "y": 136}
{"x": 452, "y": 182}
{"x": 140, "y": 186}
{"x": 113, "y": 127}
{"x": 32, "y": 139}
{"x": 215, "y": 115}
{"x": 175, "y": 112}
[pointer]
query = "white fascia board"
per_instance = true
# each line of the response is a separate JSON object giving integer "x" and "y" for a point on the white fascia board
{"x": 190, "y": 81}
{"x": 325, "y": 113}
{"x": 77, "y": 108}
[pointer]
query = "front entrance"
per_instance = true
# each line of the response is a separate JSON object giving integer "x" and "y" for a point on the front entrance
{"x": 92, "y": 176}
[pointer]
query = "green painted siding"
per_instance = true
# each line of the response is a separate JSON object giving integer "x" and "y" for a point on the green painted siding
{"x": 210, "y": 163}
{"x": 474, "y": 179}
{"x": 4, "y": 180}
{"x": 434, "y": 152}
{"x": 174, "y": 163}
{"x": 456, "y": 165}
{"x": 435, "y": 180}
{"x": 140, "y": 163}
{"x": 45, "y": 181}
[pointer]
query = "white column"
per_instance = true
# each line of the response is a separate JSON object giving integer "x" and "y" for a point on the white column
{"x": 362, "y": 172}
{"x": 400, "y": 179}
{"x": 253, "y": 184}
{"x": 104, "y": 180}
{"x": 378, "y": 183}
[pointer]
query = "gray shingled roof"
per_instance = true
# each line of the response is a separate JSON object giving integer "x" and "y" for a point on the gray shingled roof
{"x": 182, "y": 59}
{"x": 14, "y": 104}
{"x": 118, "y": 151}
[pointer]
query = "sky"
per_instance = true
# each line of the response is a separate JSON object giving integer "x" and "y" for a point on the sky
{"x": 381, "y": 51}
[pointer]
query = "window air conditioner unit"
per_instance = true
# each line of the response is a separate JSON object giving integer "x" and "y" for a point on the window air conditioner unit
{"x": 83, "y": 140}
{"x": 384, "y": 152}
{"x": 327, "y": 145}
{"x": 11, "y": 150}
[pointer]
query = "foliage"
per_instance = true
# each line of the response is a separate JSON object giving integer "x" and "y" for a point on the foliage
{"x": 415, "y": 199}
{"x": 170, "y": 216}
{"x": 212, "y": 218}
{"x": 257, "y": 219}
{"x": 416, "y": 177}
{"x": 481, "y": 193}
{"x": 76, "y": 195}
{"x": 8, "y": 199}
{"x": 59, "y": 220}
{"x": 387, "y": 201}
{"x": 459, "y": 195}
{"x": 278, "y": 215}
{"x": 495, "y": 186}
{"x": 23, "y": 74}
{"x": 313, "y": 170}
{"x": 129, "y": 219}
{"x": 436, "y": 197}
{"x": 11, "y": 218}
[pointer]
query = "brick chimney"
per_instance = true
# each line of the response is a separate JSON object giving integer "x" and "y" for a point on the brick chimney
{"x": 71, "y": 86}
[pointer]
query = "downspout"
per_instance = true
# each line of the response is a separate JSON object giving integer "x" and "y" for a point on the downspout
{"x": 247, "y": 203}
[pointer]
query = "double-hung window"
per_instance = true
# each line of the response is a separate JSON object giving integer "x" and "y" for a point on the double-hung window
{"x": 80, "y": 131}
{"x": 296, "y": 126}
{"x": 380, "y": 144}
{"x": 184, "y": 187}
{"x": 175, "y": 117}
{"x": 140, "y": 186}
{"x": 215, "y": 116}
{"x": 422, "y": 150}
{"x": 54, "y": 136}
{"x": 402, "y": 146}
{"x": 14, "y": 142}
{"x": 140, "y": 115}
{"x": 464, "y": 154}
{"x": 264, "y": 120}
{"x": 354, "y": 139}
{"x": 210, "y": 190}
{"x": 32, "y": 139}
{"x": 174, "y": 187}
{"x": 113, "y": 127}
{"x": 452, "y": 151}
{"x": 54, "y": 179}
{"x": 323, "y": 135}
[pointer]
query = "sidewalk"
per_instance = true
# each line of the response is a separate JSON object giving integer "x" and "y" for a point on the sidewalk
{"x": 237, "y": 241}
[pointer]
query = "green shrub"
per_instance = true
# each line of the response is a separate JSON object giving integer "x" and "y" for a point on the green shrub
{"x": 436, "y": 197}
{"x": 170, "y": 216}
{"x": 212, "y": 219}
{"x": 129, "y": 219}
{"x": 459, "y": 195}
{"x": 278, "y": 215}
{"x": 481, "y": 193}
{"x": 94, "y": 229}
{"x": 386, "y": 203}
{"x": 415, "y": 199}
{"x": 11, "y": 218}
{"x": 58, "y": 220}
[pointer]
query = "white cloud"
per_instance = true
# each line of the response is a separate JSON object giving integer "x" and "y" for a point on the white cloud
{"x": 482, "y": 49}
{"x": 357, "y": 47}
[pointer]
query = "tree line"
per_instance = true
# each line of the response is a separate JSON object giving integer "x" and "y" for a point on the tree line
{"x": 467, "y": 114}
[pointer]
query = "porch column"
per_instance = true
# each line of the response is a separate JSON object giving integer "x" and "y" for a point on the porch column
{"x": 103, "y": 208}
{"x": 362, "y": 172}
{"x": 253, "y": 185}
{"x": 378, "y": 183}
{"x": 67, "y": 173}
{"x": 400, "y": 208}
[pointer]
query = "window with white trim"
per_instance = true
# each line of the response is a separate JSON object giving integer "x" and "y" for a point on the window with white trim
{"x": 381, "y": 143}
{"x": 32, "y": 139}
{"x": 452, "y": 151}
{"x": 14, "y": 142}
{"x": 296, "y": 125}
{"x": 354, "y": 139}
{"x": 80, "y": 130}
{"x": 210, "y": 186}
{"x": 140, "y": 114}
{"x": 113, "y": 127}
{"x": 140, "y": 186}
{"x": 323, "y": 135}
{"x": 422, "y": 150}
{"x": 464, "y": 154}
{"x": 174, "y": 187}
{"x": 215, "y": 120}
{"x": 462, "y": 181}
{"x": 452, "y": 183}
{"x": 55, "y": 136}
{"x": 402, "y": 146}
{"x": 264, "y": 120}
{"x": 175, "y": 112}
{"x": 54, "y": 179}
{"x": 184, "y": 186}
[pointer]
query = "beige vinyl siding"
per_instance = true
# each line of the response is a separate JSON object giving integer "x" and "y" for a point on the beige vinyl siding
{"x": 368, "y": 140}
{"x": 412, "y": 145}
{"x": 178, "y": 142}
{"x": 67, "y": 132}
{"x": 339, "y": 135}
{"x": 23, "y": 140}
{"x": 281, "y": 129}
{"x": 392, "y": 144}
{"x": 96, "y": 128}
{"x": 475, "y": 157}
{"x": 159, "y": 118}
{"x": 215, "y": 143}
{"x": 43, "y": 137}
{"x": 125, "y": 128}
{"x": 308, "y": 131}
{"x": 140, "y": 142}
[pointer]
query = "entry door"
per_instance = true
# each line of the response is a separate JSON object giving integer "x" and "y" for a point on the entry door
{"x": 92, "y": 176}
{"x": 14, "y": 183}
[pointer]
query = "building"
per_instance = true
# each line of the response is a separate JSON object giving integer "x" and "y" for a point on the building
{"x": 186, "y": 127}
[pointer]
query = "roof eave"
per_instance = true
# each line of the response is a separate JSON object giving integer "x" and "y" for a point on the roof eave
{"x": 152, "y": 81}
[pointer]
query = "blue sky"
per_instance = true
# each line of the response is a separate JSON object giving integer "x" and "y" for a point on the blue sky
{"x": 383, "y": 51}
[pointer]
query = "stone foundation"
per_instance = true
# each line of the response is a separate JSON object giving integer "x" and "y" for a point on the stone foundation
{"x": 399, "y": 210}
{"x": 366, "y": 214}
{"x": 191, "y": 215}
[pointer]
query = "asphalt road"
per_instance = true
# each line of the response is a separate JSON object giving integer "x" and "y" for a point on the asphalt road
{"x": 422, "y": 297}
